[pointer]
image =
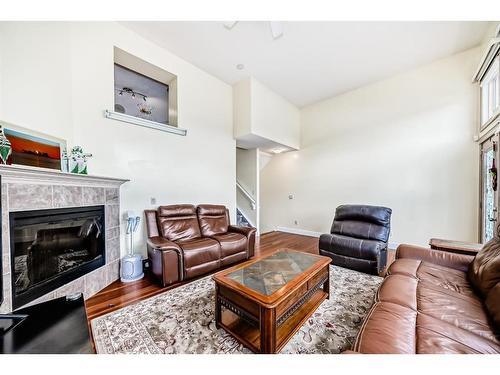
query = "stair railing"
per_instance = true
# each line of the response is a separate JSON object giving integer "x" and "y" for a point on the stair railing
{"x": 247, "y": 195}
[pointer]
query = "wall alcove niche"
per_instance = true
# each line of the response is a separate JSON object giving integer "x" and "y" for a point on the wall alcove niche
{"x": 144, "y": 94}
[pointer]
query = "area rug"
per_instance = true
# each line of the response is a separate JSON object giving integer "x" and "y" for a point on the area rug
{"x": 181, "y": 320}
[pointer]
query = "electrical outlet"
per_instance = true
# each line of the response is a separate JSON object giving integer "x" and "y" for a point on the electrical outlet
{"x": 153, "y": 200}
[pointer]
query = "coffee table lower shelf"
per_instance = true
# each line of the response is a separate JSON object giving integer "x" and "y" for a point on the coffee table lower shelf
{"x": 249, "y": 332}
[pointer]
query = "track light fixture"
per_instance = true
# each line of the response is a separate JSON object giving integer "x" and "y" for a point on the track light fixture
{"x": 132, "y": 93}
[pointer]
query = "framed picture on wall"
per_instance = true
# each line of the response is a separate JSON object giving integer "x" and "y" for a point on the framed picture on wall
{"x": 34, "y": 149}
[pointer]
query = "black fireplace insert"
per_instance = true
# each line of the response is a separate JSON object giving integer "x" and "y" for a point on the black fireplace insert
{"x": 50, "y": 248}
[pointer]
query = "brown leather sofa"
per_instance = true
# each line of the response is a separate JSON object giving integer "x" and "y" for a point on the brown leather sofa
{"x": 185, "y": 241}
{"x": 435, "y": 301}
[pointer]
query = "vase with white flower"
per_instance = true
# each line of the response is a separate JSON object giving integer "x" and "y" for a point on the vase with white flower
{"x": 78, "y": 160}
{"x": 5, "y": 148}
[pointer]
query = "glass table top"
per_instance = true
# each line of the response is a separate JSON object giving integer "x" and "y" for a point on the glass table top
{"x": 271, "y": 273}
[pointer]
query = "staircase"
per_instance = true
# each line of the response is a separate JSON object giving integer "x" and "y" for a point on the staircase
{"x": 241, "y": 220}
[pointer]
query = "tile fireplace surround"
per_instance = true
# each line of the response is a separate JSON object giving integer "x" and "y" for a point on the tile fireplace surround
{"x": 27, "y": 188}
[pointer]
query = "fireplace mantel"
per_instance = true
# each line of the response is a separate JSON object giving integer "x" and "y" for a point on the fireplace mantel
{"x": 16, "y": 173}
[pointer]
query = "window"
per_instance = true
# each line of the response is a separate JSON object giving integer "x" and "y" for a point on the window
{"x": 490, "y": 92}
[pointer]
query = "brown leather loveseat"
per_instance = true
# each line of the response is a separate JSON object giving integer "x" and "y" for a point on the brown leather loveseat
{"x": 185, "y": 241}
{"x": 435, "y": 301}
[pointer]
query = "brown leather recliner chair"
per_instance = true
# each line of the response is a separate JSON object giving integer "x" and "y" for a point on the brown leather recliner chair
{"x": 358, "y": 238}
{"x": 185, "y": 241}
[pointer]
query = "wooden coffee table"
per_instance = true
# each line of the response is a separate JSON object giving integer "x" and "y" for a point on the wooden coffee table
{"x": 264, "y": 301}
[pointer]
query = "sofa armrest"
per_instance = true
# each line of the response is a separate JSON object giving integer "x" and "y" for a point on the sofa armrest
{"x": 162, "y": 244}
{"x": 458, "y": 247}
{"x": 443, "y": 258}
{"x": 246, "y": 231}
{"x": 249, "y": 233}
{"x": 167, "y": 262}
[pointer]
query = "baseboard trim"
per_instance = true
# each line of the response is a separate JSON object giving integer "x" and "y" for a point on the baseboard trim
{"x": 310, "y": 233}
{"x": 302, "y": 232}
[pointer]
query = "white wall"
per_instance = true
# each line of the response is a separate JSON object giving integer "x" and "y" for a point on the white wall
{"x": 273, "y": 117}
{"x": 57, "y": 78}
{"x": 242, "y": 108}
{"x": 489, "y": 34}
{"x": 260, "y": 112}
{"x": 405, "y": 142}
{"x": 247, "y": 174}
{"x": 36, "y": 70}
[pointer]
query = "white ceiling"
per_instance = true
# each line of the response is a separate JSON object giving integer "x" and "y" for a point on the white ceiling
{"x": 312, "y": 60}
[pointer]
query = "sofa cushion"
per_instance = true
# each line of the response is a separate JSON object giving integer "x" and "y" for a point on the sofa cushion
{"x": 389, "y": 328}
{"x": 178, "y": 222}
{"x": 213, "y": 219}
{"x": 198, "y": 251}
{"x": 460, "y": 310}
{"x": 358, "y": 264}
{"x": 408, "y": 267}
{"x": 393, "y": 328}
{"x": 398, "y": 289}
{"x": 437, "y": 336}
{"x": 230, "y": 259}
{"x": 351, "y": 247}
{"x": 201, "y": 269}
{"x": 231, "y": 243}
{"x": 493, "y": 305}
{"x": 460, "y": 262}
{"x": 445, "y": 277}
{"x": 361, "y": 221}
{"x": 456, "y": 309}
{"x": 360, "y": 229}
{"x": 371, "y": 214}
{"x": 484, "y": 271}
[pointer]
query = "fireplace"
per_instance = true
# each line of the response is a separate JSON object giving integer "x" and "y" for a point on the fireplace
{"x": 50, "y": 248}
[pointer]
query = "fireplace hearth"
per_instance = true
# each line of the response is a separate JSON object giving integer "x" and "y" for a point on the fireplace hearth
{"x": 50, "y": 248}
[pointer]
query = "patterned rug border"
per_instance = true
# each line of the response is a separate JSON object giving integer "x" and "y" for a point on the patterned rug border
{"x": 94, "y": 321}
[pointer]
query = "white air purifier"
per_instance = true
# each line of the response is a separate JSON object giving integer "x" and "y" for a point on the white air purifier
{"x": 131, "y": 264}
{"x": 131, "y": 268}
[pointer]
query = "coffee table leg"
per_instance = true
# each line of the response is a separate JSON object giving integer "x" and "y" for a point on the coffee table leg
{"x": 326, "y": 286}
{"x": 267, "y": 330}
{"x": 217, "y": 308}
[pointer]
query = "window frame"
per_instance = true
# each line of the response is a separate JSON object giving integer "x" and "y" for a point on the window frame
{"x": 489, "y": 111}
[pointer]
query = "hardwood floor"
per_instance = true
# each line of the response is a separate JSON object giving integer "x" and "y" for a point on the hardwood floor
{"x": 118, "y": 294}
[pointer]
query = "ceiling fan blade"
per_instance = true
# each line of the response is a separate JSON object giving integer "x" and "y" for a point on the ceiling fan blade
{"x": 276, "y": 29}
{"x": 229, "y": 24}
